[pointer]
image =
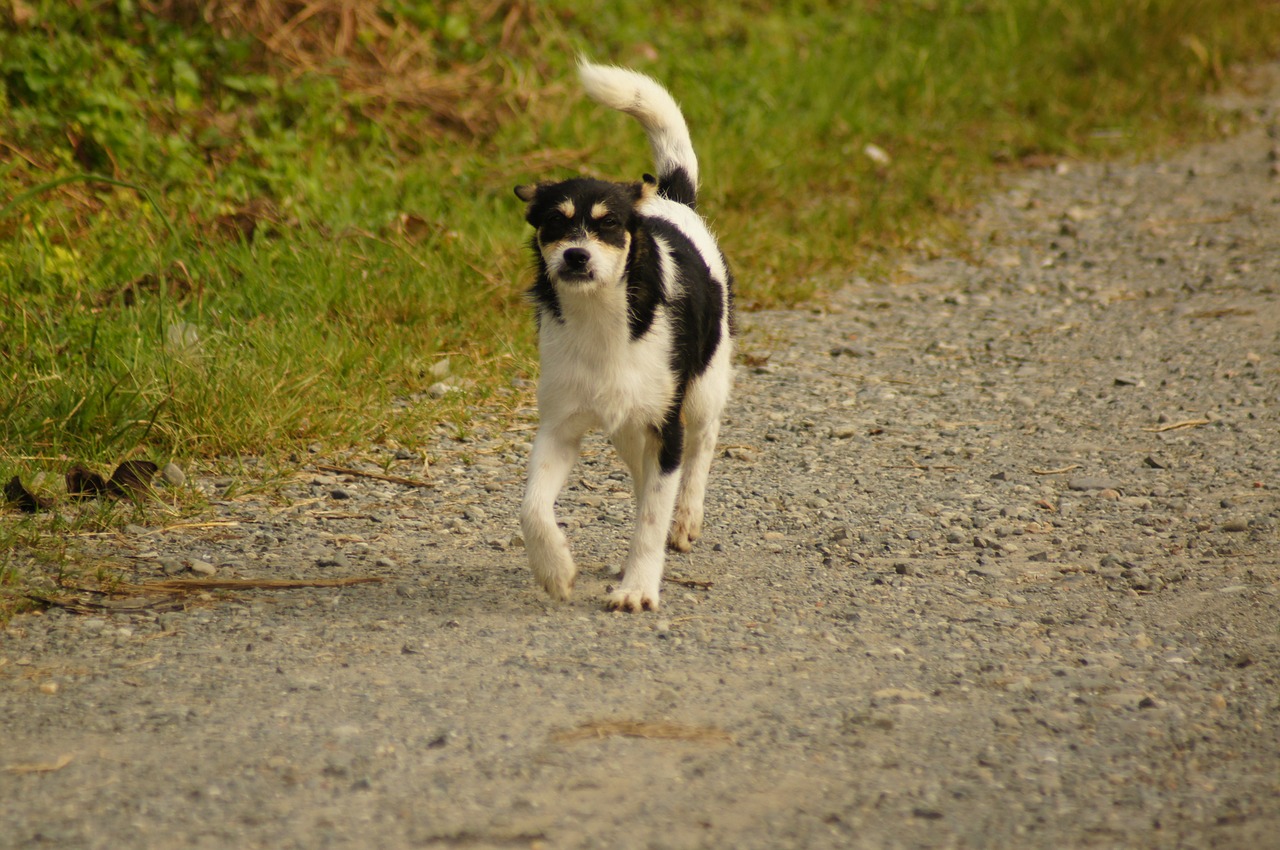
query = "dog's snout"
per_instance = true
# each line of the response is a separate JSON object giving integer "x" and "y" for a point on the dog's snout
{"x": 576, "y": 259}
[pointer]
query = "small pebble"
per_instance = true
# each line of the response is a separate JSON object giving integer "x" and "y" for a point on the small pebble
{"x": 173, "y": 475}
{"x": 202, "y": 568}
{"x": 1086, "y": 482}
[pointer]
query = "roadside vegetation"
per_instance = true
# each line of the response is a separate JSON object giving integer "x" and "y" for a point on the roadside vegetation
{"x": 245, "y": 227}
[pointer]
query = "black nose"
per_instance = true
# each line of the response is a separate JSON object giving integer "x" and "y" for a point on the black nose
{"x": 576, "y": 258}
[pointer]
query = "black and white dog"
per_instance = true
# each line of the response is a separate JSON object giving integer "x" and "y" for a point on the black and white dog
{"x": 635, "y": 331}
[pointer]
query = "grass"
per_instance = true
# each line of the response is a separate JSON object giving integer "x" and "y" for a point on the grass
{"x": 228, "y": 233}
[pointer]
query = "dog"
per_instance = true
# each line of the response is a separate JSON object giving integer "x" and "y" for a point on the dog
{"x": 634, "y": 306}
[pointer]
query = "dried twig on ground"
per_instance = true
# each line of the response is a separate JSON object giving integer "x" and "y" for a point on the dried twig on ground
{"x": 41, "y": 767}
{"x": 160, "y": 595}
{"x": 1173, "y": 426}
{"x": 394, "y": 479}
{"x": 186, "y": 585}
{"x": 697, "y": 584}
{"x": 658, "y": 729}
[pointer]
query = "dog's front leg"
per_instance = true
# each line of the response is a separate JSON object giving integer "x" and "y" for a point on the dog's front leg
{"x": 655, "y": 490}
{"x": 555, "y": 448}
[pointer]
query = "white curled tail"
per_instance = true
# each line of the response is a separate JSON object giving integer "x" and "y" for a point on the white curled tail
{"x": 644, "y": 99}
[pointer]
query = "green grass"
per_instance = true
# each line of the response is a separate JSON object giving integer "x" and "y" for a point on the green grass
{"x": 140, "y": 316}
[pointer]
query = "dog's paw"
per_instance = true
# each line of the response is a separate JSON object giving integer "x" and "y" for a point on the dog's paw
{"x": 634, "y": 601}
{"x": 559, "y": 587}
{"x": 680, "y": 540}
{"x": 684, "y": 530}
{"x": 556, "y": 575}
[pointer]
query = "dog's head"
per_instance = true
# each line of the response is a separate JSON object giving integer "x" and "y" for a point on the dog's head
{"x": 584, "y": 227}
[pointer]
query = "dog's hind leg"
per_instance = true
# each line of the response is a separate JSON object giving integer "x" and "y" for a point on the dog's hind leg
{"x": 555, "y": 449}
{"x": 655, "y": 487}
{"x": 700, "y": 445}
{"x": 704, "y": 402}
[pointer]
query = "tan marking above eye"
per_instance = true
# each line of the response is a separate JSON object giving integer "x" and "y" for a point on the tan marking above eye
{"x": 599, "y": 210}
{"x": 566, "y": 208}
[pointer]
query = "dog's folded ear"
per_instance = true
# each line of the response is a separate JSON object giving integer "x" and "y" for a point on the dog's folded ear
{"x": 646, "y": 188}
{"x": 528, "y": 192}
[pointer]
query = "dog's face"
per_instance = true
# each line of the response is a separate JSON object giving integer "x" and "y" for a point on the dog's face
{"x": 584, "y": 227}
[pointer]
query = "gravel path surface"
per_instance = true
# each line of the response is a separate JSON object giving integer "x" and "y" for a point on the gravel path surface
{"x": 993, "y": 561}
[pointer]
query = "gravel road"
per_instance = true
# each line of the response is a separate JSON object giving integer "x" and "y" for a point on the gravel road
{"x": 992, "y": 555}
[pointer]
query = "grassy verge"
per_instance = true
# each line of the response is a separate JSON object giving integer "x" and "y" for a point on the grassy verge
{"x": 227, "y": 231}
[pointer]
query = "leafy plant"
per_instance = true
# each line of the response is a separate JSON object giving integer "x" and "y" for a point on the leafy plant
{"x": 239, "y": 227}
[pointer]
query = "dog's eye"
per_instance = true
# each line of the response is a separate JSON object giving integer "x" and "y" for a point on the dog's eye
{"x": 609, "y": 222}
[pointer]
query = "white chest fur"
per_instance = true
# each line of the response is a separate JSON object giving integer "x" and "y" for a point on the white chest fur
{"x": 592, "y": 368}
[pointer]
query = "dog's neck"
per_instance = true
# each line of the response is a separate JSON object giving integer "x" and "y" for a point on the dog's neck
{"x": 597, "y": 314}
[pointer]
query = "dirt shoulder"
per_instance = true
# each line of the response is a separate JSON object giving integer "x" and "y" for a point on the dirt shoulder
{"x": 993, "y": 559}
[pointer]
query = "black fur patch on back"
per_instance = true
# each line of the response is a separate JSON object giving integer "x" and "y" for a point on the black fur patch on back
{"x": 677, "y": 187}
{"x": 695, "y": 313}
{"x": 696, "y": 309}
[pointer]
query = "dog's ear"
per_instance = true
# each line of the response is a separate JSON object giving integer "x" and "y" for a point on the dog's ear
{"x": 645, "y": 189}
{"x": 528, "y": 192}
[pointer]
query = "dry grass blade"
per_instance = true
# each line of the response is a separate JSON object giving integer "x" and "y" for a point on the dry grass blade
{"x": 182, "y": 526}
{"x": 73, "y": 604}
{"x": 697, "y": 584}
{"x": 656, "y": 729}
{"x": 386, "y": 59}
{"x": 1220, "y": 313}
{"x": 1059, "y": 470}
{"x": 41, "y": 767}
{"x": 394, "y": 479}
{"x": 166, "y": 595}
{"x": 1173, "y": 426}
{"x": 187, "y": 585}
{"x": 1158, "y": 223}
{"x": 928, "y": 467}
